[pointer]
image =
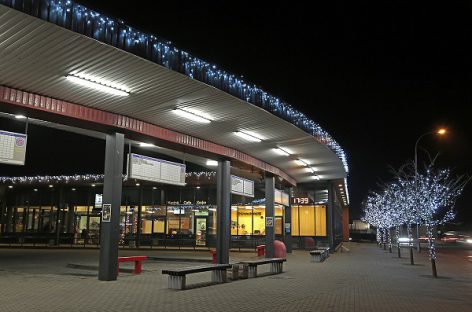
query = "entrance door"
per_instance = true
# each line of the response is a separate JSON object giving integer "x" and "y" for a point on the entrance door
{"x": 200, "y": 230}
{"x": 279, "y": 226}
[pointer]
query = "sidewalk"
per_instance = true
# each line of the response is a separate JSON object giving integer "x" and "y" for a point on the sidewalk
{"x": 365, "y": 279}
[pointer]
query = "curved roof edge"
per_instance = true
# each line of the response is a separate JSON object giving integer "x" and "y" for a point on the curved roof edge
{"x": 115, "y": 32}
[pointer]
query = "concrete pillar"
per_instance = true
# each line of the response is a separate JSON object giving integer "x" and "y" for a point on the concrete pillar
{"x": 288, "y": 222}
{"x": 112, "y": 185}
{"x": 223, "y": 202}
{"x": 269, "y": 214}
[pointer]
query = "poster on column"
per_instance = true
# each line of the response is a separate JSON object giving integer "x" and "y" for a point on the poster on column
{"x": 157, "y": 170}
{"x": 241, "y": 186}
{"x": 12, "y": 148}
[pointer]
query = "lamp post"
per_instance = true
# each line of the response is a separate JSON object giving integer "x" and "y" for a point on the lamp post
{"x": 440, "y": 131}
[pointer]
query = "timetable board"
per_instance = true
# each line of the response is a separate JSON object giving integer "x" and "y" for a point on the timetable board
{"x": 12, "y": 148}
{"x": 241, "y": 186}
{"x": 157, "y": 170}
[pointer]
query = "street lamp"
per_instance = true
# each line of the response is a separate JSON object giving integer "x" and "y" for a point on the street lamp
{"x": 440, "y": 131}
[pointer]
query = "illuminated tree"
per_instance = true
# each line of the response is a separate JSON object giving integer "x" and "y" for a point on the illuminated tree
{"x": 436, "y": 193}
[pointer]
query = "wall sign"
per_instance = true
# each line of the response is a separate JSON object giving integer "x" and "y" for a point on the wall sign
{"x": 156, "y": 170}
{"x": 269, "y": 221}
{"x": 106, "y": 213}
{"x": 301, "y": 200}
{"x": 12, "y": 148}
{"x": 241, "y": 186}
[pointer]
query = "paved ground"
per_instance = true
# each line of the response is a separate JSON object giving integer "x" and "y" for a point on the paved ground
{"x": 365, "y": 279}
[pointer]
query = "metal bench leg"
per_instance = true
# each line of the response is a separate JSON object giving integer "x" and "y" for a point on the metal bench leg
{"x": 252, "y": 272}
{"x": 176, "y": 282}
{"x": 218, "y": 276}
{"x": 137, "y": 267}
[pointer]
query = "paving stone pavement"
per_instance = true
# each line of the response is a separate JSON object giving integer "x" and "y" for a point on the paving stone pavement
{"x": 365, "y": 279}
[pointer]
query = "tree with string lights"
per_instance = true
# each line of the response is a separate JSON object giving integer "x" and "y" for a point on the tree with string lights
{"x": 436, "y": 193}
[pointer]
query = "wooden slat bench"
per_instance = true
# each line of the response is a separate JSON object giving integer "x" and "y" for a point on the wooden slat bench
{"x": 276, "y": 265}
{"x": 177, "y": 277}
{"x": 137, "y": 262}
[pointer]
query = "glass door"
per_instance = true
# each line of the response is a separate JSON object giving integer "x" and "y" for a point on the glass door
{"x": 200, "y": 230}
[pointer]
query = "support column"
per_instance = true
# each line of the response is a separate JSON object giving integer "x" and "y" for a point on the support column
{"x": 329, "y": 216}
{"x": 223, "y": 202}
{"x": 269, "y": 213}
{"x": 140, "y": 222}
{"x": 112, "y": 185}
{"x": 288, "y": 222}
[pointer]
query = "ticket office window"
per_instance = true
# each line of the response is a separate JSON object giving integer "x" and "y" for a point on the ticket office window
{"x": 309, "y": 220}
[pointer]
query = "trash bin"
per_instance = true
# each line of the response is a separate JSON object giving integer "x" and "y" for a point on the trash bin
{"x": 213, "y": 256}
{"x": 260, "y": 250}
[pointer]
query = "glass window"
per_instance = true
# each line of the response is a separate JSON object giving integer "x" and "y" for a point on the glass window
{"x": 307, "y": 220}
{"x": 320, "y": 212}
{"x": 259, "y": 220}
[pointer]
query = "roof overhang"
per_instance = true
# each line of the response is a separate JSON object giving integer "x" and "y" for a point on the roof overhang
{"x": 37, "y": 56}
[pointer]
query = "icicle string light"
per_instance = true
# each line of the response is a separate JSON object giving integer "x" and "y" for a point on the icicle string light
{"x": 81, "y": 178}
{"x": 116, "y": 33}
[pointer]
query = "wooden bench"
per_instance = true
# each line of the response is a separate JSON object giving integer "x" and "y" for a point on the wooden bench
{"x": 319, "y": 254}
{"x": 137, "y": 262}
{"x": 276, "y": 265}
{"x": 177, "y": 277}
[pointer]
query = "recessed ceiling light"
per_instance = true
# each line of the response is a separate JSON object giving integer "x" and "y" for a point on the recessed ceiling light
{"x": 193, "y": 114}
{"x": 142, "y": 144}
{"x": 10, "y": 186}
{"x": 249, "y": 136}
{"x": 137, "y": 184}
{"x": 212, "y": 163}
{"x": 93, "y": 185}
{"x": 50, "y": 185}
{"x": 98, "y": 84}
{"x": 281, "y": 151}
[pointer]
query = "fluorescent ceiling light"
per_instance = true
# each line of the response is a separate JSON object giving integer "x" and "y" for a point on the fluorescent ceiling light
{"x": 20, "y": 116}
{"x": 301, "y": 162}
{"x": 142, "y": 144}
{"x": 248, "y": 136}
{"x": 311, "y": 169}
{"x": 305, "y": 162}
{"x": 192, "y": 115}
{"x": 212, "y": 163}
{"x": 98, "y": 84}
{"x": 282, "y": 151}
{"x": 316, "y": 177}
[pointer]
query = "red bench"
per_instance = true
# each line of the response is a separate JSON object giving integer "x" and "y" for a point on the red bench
{"x": 137, "y": 262}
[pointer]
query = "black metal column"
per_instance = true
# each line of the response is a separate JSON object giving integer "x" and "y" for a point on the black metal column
{"x": 223, "y": 202}
{"x": 112, "y": 185}
{"x": 288, "y": 222}
{"x": 269, "y": 214}
{"x": 329, "y": 216}
{"x": 140, "y": 221}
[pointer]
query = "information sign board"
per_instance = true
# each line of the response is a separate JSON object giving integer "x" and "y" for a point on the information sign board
{"x": 241, "y": 186}
{"x": 156, "y": 170}
{"x": 12, "y": 148}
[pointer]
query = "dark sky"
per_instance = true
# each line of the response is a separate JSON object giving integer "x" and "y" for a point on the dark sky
{"x": 374, "y": 74}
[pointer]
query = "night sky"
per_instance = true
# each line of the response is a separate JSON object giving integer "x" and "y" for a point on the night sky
{"x": 374, "y": 75}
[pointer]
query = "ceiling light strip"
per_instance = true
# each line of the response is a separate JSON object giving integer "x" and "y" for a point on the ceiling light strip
{"x": 96, "y": 84}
